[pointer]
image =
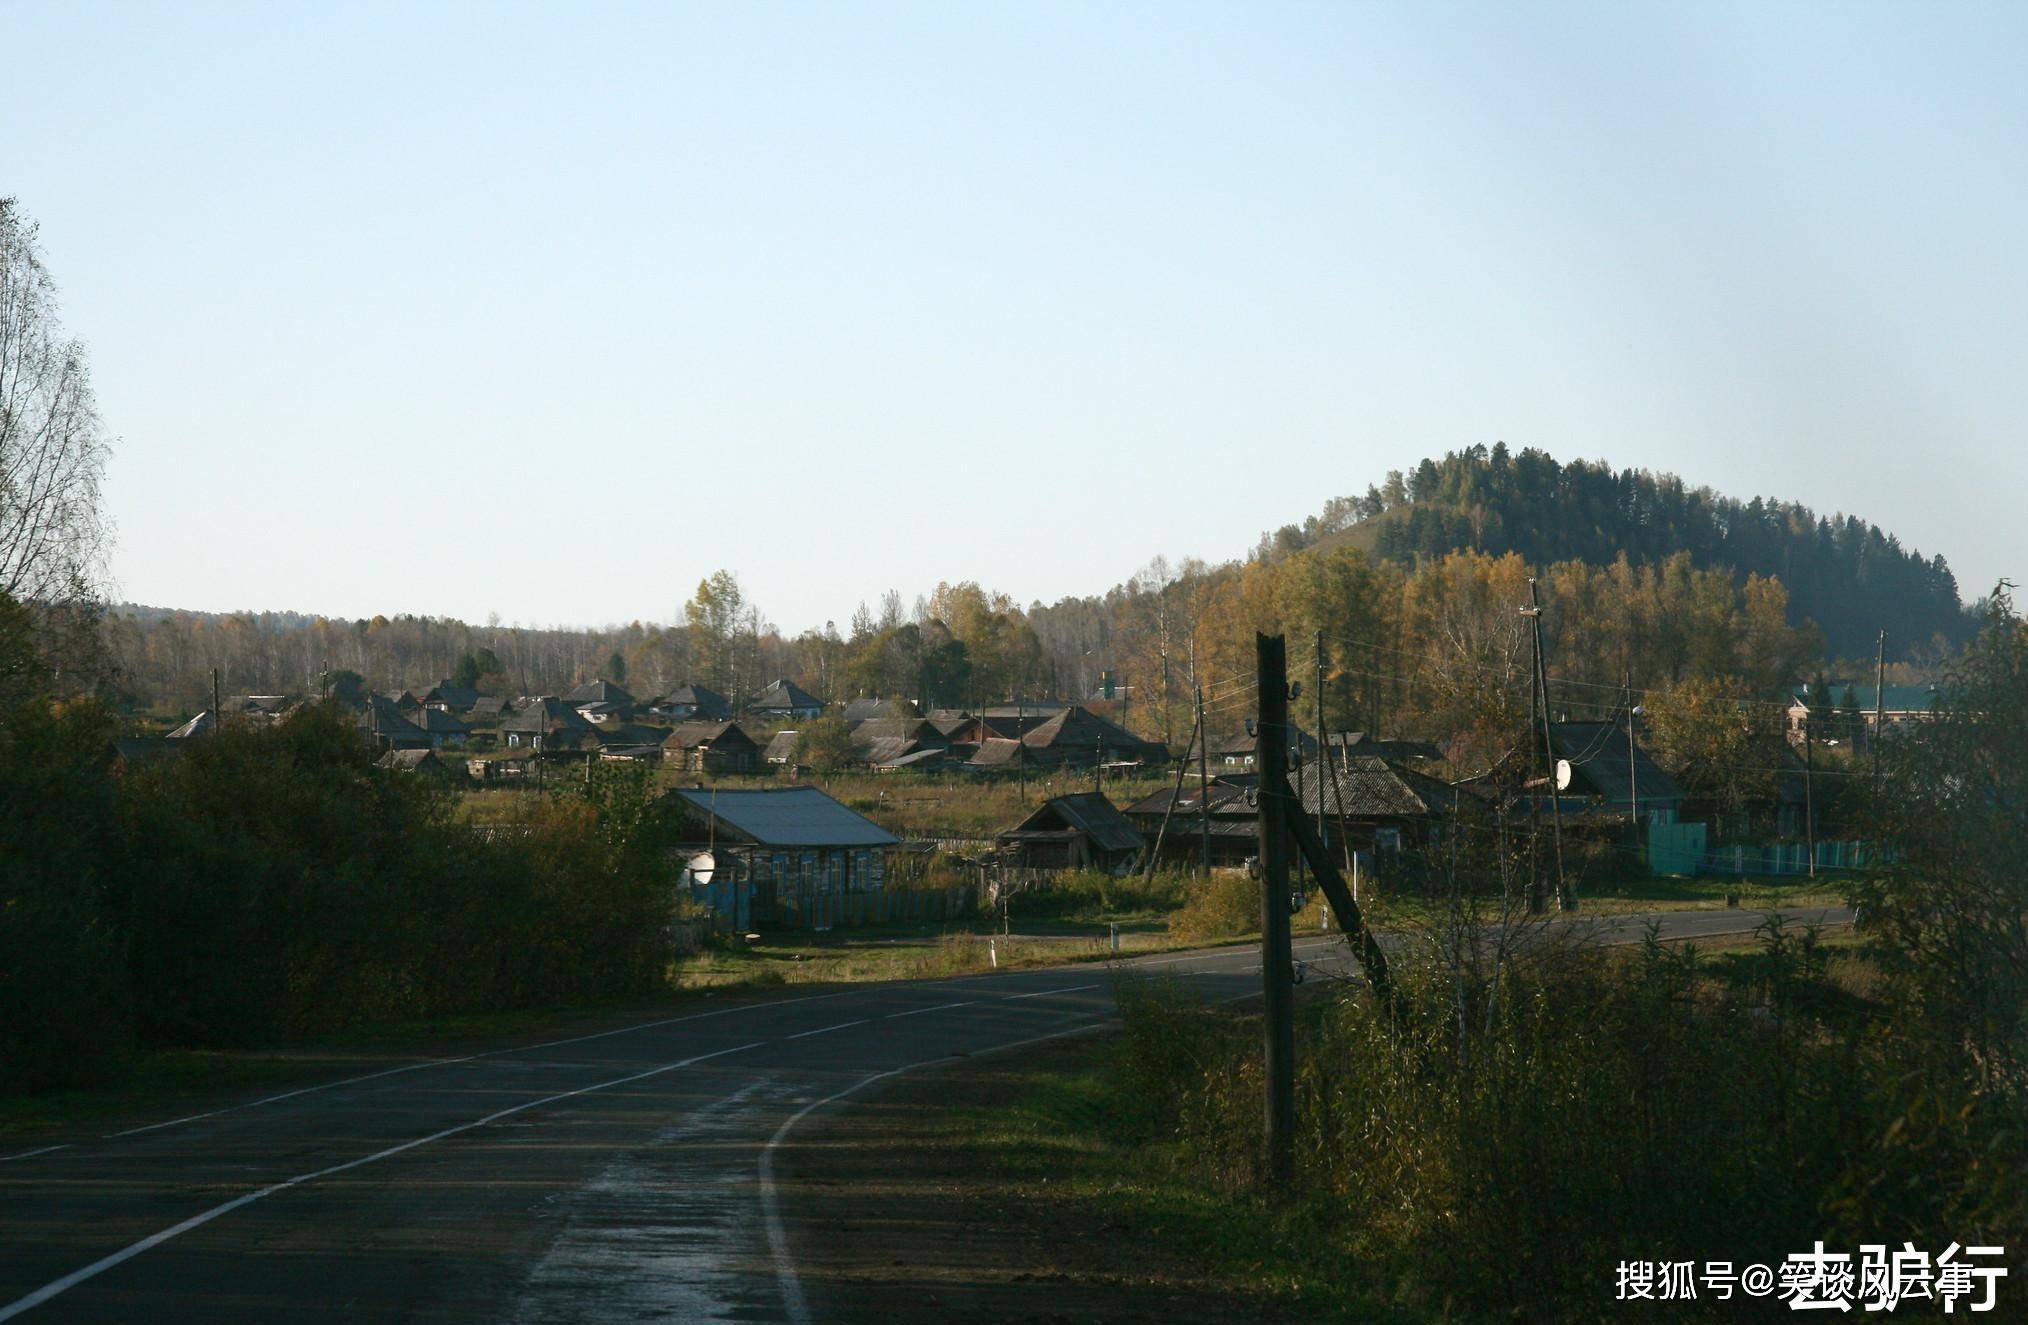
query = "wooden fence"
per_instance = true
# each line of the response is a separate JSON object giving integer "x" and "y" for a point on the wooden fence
{"x": 815, "y": 908}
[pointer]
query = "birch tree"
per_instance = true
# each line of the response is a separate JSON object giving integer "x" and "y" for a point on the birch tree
{"x": 52, "y": 445}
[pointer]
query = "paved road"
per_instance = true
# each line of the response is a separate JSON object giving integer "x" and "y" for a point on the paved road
{"x": 619, "y": 1176}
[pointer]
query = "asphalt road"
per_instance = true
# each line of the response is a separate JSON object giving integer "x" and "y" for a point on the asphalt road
{"x": 625, "y": 1175}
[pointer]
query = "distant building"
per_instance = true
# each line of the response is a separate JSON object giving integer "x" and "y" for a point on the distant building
{"x": 1079, "y": 831}
{"x": 790, "y": 839}
{"x": 1238, "y": 751}
{"x": 711, "y": 747}
{"x": 786, "y": 700}
{"x": 1894, "y": 705}
{"x": 547, "y": 725}
{"x": 880, "y": 710}
{"x": 692, "y": 703}
{"x": 1592, "y": 768}
{"x": 422, "y": 762}
{"x": 386, "y": 728}
{"x": 600, "y": 699}
{"x": 782, "y": 746}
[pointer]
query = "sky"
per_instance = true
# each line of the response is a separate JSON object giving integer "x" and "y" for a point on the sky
{"x": 548, "y": 311}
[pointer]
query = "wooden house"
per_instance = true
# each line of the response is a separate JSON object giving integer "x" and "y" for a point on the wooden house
{"x": 1083, "y": 830}
{"x": 711, "y": 747}
{"x": 787, "y": 701}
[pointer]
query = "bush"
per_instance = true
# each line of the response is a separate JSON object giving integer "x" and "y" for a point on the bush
{"x": 270, "y": 883}
{"x": 63, "y": 990}
{"x": 1223, "y": 906}
{"x": 1595, "y": 1107}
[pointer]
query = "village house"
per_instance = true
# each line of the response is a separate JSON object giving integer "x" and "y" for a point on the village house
{"x": 787, "y": 840}
{"x": 782, "y": 747}
{"x": 1079, "y": 738}
{"x": 423, "y": 763}
{"x": 600, "y": 699}
{"x": 879, "y": 710}
{"x": 491, "y": 708}
{"x": 1229, "y": 824}
{"x": 386, "y": 728}
{"x": 711, "y": 747}
{"x": 449, "y": 697}
{"x": 787, "y": 701}
{"x": 1083, "y": 830}
{"x": 1893, "y": 705}
{"x": 692, "y": 703}
{"x": 1600, "y": 777}
{"x": 444, "y": 729}
{"x": 1236, "y": 753}
{"x": 548, "y": 726}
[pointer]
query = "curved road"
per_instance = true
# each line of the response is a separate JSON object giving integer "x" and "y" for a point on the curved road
{"x": 624, "y": 1175}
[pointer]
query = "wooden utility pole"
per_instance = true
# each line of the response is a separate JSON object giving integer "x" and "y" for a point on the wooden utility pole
{"x": 1203, "y": 786}
{"x": 217, "y": 712}
{"x": 1537, "y": 904}
{"x": 1534, "y": 614}
{"x": 1809, "y": 794}
{"x": 1879, "y": 701}
{"x": 1277, "y": 961}
{"x": 1021, "y": 744}
{"x": 1633, "y": 781}
{"x": 1329, "y": 766}
{"x": 1168, "y": 812}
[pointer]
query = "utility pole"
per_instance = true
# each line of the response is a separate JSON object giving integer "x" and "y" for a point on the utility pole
{"x": 1534, "y": 614}
{"x": 1879, "y": 701}
{"x": 217, "y": 712}
{"x": 1809, "y": 795}
{"x": 1168, "y": 812}
{"x": 1537, "y": 904}
{"x": 1203, "y": 785}
{"x": 1277, "y": 961}
{"x": 1324, "y": 747}
{"x": 1633, "y": 782}
{"x": 1021, "y": 744}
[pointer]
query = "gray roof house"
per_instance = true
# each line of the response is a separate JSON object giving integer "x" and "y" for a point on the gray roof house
{"x": 1081, "y": 830}
{"x": 785, "y": 699}
{"x": 546, "y": 724}
{"x": 806, "y": 846}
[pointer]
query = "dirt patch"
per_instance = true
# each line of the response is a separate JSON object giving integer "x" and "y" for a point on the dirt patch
{"x": 898, "y": 1213}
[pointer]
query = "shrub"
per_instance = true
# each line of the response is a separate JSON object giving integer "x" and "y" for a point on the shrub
{"x": 1223, "y": 906}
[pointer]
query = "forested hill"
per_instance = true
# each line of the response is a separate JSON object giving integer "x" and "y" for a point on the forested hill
{"x": 1849, "y": 576}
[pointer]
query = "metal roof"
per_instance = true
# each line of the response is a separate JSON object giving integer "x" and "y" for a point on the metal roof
{"x": 785, "y": 817}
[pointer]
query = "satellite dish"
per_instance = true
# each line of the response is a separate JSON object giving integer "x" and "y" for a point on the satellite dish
{"x": 1563, "y": 775}
{"x": 701, "y": 866}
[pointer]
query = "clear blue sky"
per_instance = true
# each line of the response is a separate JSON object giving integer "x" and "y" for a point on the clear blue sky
{"x": 552, "y": 310}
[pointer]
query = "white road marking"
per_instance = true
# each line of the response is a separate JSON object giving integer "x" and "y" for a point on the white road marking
{"x": 794, "y": 1305}
{"x": 1041, "y": 993}
{"x": 825, "y": 1030}
{"x": 28, "y": 1154}
{"x": 941, "y": 1007}
{"x": 468, "y": 1058}
{"x": 100, "y": 1266}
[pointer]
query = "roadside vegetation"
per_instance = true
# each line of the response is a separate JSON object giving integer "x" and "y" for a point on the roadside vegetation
{"x": 1534, "y": 1111}
{"x": 270, "y": 886}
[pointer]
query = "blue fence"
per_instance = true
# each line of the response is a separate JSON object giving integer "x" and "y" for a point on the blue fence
{"x": 1681, "y": 848}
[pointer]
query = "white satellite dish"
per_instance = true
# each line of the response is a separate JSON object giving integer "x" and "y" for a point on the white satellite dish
{"x": 701, "y": 866}
{"x": 1563, "y": 775}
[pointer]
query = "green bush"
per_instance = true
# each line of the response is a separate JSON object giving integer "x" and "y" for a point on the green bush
{"x": 267, "y": 884}
{"x": 1224, "y": 905}
{"x": 1496, "y": 1152}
